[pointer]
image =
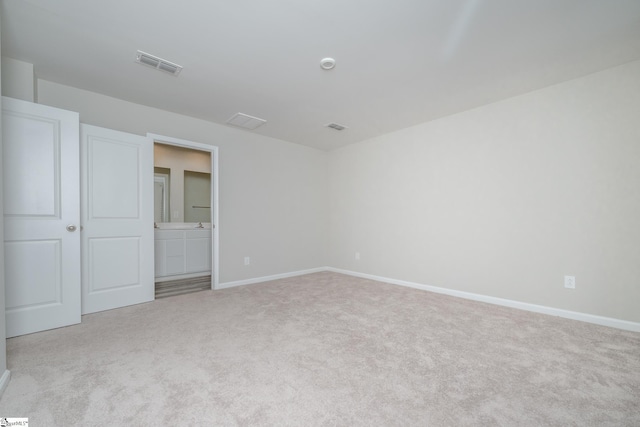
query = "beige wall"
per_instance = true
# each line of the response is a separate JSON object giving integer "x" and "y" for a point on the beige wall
{"x": 273, "y": 201}
{"x": 178, "y": 160}
{"x": 504, "y": 200}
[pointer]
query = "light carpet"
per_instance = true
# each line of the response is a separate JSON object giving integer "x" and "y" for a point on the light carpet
{"x": 324, "y": 349}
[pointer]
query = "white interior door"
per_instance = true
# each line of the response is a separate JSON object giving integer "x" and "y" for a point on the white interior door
{"x": 41, "y": 216}
{"x": 117, "y": 219}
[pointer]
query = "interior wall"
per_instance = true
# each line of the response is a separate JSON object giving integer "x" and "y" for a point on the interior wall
{"x": 18, "y": 79}
{"x": 272, "y": 194}
{"x": 179, "y": 160}
{"x": 3, "y": 322}
{"x": 504, "y": 200}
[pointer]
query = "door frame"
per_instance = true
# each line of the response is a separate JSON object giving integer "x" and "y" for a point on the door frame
{"x": 215, "y": 221}
{"x": 164, "y": 179}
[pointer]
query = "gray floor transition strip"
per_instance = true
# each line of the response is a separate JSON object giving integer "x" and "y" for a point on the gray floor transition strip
{"x": 184, "y": 286}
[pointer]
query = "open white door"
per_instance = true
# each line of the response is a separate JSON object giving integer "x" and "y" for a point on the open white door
{"x": 117, "y": 219}
{"x": 41, "y": 216}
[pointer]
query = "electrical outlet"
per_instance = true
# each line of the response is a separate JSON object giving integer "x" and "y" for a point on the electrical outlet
{"x": 247, "y": 260}
{"x": 570, "y": 282}
{"x": 357, "y": 256}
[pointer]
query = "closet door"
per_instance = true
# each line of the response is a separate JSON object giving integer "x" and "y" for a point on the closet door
{"x": 117, "y": 219}
{"x": 41, "y": 216}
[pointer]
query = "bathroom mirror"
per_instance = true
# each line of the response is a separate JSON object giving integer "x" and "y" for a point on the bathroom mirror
{"x": 197, "y": 196}
{"x": 182, "y": 180}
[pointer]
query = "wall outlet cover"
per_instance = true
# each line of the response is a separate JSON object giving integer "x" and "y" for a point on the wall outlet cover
{"x": 570, "y": 282}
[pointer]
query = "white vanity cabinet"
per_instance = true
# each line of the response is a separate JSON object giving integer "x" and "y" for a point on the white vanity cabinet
{"x": 182, "y": 253}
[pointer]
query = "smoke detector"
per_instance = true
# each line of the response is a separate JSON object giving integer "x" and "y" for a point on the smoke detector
{"x": 328, "y": 63}
{"x": 158, "y": 63}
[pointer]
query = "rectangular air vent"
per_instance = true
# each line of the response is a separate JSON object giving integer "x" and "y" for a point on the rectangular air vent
{"x": 158, "y": 63}
{"x": 245, "y": 121}
{"x": 336, "y": 126}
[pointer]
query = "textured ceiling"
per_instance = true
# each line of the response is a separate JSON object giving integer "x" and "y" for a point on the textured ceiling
{"x": 399, "y": 63}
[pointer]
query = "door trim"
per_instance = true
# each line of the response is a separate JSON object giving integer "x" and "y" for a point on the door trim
{"x": 215, "y": 222}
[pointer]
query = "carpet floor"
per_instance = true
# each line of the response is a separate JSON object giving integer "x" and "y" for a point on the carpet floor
{"x": 324, "y": 350}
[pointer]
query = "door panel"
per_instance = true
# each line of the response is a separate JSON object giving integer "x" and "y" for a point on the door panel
{"x": 34, "y": 165}
{"x": 113, "y": 176}
{"x": 117, "y": 216}
{"x": 115, "y": 262}
{"x": 198, "y": 254}
{"x": 41, "y": 198}
{"x": 45, "y": 282}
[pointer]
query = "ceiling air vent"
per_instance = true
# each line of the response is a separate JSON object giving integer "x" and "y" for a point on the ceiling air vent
{"x": 336, "y": 126}
{"x": 158, "y": 63}
{"x": 245, "y": 121}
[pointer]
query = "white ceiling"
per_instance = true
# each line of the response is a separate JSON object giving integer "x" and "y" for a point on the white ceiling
{"x": 399, "y": 62}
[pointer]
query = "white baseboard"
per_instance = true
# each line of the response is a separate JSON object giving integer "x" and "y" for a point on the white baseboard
{"x": 574, "y": 315}
{"x": 4, "y": 381}
{"x": 584, "y": 317}
{"x": 269, "y": 278}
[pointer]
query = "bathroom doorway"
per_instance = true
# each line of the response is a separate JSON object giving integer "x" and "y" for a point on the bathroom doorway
{"x": 185, "y": 215}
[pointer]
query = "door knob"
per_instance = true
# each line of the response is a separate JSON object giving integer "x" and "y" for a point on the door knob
{"x": 71, "y": 228}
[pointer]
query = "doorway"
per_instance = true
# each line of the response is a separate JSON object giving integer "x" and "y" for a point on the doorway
{"x": 190, "y": 213}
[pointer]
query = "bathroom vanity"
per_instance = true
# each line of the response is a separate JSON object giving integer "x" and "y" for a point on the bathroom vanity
{"x": 182, "y": 251}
